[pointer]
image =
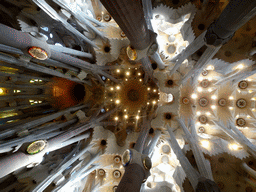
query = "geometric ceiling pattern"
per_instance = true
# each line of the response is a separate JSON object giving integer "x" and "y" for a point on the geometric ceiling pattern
{"x": 75, "y": 95}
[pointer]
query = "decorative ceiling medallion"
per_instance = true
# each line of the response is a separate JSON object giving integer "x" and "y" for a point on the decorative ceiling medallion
{"x": 185, "y": 100}
{"x": 117, "y": 159}
{"x": 99, "y": 18}
{"x": 205, "y": 72}
{"x": 243, "y": 84}
{"x": 117, "y": 174}
{"x": 241, "y": 103}
{"x": 133, "y": 95}
{"x": 107, "y": 17}
{"x": 205, "y": 83}
{"x": 169, "y": 82}
{"x": 201, "y": 130}
{"x": 36, "y": 146}
{"x": 202, "y": 119}
{"x": 203, "y": 102}
{"x": 171, "y": 49}
{"x": 168, "y": 116}
{"x": 166, "y": 149}
{"x": 101, "y": 172}
{"x": 240, "y": 122}
{"x": 222, "y": 102}
{"x": 38, "y": 53}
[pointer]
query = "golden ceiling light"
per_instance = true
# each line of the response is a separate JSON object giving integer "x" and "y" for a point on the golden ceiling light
{"x": 133, "y": 95}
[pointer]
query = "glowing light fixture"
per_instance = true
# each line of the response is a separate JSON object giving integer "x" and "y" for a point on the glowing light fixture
{"x": 231, "y": 98}
{"x": 210, "y": 67}
{"x": 117, "y": 101}
{"x": 213, "y": 107}
{"x": 199, "y": 89}
{"x": 240, "y": 66}
{"x": 234, "y": 147}
{"x": 205, "y": 144}
{"x": 214, "y": 97}
{"x": 193, "y": 96}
